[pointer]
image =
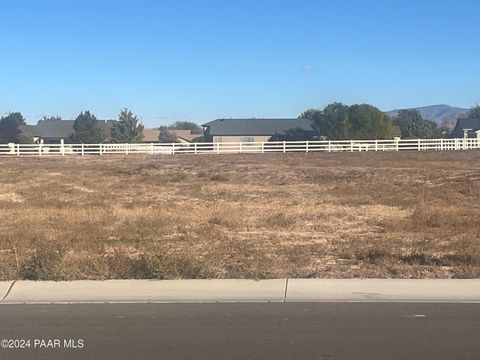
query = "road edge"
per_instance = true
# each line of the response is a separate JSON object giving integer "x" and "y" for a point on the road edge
{"x": 238, "y": 290}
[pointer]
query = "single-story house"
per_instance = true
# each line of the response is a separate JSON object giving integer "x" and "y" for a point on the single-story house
{"x": 53, "y": 131}
{"x": 468, "y": 125}
{"x": 183, "y": 136}
{"x": 257, "y": 130}
{"x": 49, "y": 131}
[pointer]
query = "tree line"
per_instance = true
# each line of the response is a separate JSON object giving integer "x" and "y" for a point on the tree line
{"x": 336, "y": 121}
{"x": 88, "y": 129}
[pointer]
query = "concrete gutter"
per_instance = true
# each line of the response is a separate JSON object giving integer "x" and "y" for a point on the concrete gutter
{"x": 280, "y": 290}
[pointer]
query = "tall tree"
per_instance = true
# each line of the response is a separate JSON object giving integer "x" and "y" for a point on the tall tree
{"x": 87, "y": 129}
{"x": 127, "y": 129}
{"x": 413, "y": 125}
{"x": 17, "y": 116}
{"x": 332, "y": 122}
{"x": 369, "y": 122}
{"x": 10, "y": 127}
{"x": 338, "y": 121}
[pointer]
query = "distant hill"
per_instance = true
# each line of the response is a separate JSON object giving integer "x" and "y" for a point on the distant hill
{"x": 435, "y": 112}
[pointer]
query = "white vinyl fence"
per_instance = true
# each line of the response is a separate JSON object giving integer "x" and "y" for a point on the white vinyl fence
{"x": 240, "y": 148}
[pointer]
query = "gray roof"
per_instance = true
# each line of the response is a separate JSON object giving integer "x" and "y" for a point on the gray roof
{"x": 465, "y": 123}
{"x": 55, "y": 129}
{"x": 50, "y": 129}
{"x": 269, "y": 127}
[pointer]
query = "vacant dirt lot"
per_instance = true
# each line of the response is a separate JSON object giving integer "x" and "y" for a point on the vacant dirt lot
{"x": 402, "y": 215}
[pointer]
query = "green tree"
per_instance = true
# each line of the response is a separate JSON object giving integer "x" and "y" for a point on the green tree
{"x": 369, "y": 122}
{"x": 10, "y": 127}
{"x": 187, "y": 125}
{"x": 127, "y": 129}
{"x": 18, "y": 117}
{"x": 87, "y": 129}
{"x": 332, "y": 122}
{"x": 315, "y": 117}
{"x": 338, "y": 121}
{"x": 412, "y": 125}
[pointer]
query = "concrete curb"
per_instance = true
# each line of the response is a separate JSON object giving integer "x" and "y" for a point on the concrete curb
{"x": 144, "y": 291}
{"x": 380, "y": 290}
{"x": 280, "y": 290}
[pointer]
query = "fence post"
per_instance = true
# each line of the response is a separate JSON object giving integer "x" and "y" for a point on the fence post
{"x": 263, "y": 147}
{"x": 40, "y": 148}
{"x": 376, "y": 145}
{"x": 284, "y": 147}
{"x": 397, "y": 142}
{"x": 62, "y": 147}
{"x": 218, "y": 148}
{"x": 329, "y": 145}
{"x": 441, "y": 144}
{"x": 306, "y": 146}
{"x": 195, "y": 148}
{"x": 18, "y": 149}
{"x": 418, "y": 145}
{"x": 126, "y": 149}
{"x": 240, "y": 147}
{"x": 351, "y": 145}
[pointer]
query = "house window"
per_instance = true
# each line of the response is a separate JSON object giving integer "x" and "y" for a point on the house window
{"x": 247, "y": 139}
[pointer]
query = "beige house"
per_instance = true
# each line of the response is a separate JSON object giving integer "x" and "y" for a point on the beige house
{"x": 257, "y": 130}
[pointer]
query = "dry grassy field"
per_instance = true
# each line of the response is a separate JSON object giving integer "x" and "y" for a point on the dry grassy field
{"x": 387, "y": 215}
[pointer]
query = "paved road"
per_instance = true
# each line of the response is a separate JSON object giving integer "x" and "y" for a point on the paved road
{"x": 245, "y": 331}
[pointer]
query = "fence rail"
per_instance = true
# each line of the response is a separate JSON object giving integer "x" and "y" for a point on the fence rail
{"x": 239, "y": 147}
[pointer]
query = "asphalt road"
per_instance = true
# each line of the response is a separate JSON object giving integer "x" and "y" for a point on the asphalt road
{"x": 242, "y": 331}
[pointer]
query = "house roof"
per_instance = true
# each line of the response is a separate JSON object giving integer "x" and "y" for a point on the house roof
{"x": 226, "y": 127}
{"x": 468, "y": 123}
{"x": 185, "y": 134}
{"x": 465, "y": 123}
{"x": 57, "y": 129}
{"x": 151, "y": 135}
{"x": 45, "y": 129}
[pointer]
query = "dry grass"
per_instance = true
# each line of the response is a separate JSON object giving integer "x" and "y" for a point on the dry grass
{"x": 403, "y": 215}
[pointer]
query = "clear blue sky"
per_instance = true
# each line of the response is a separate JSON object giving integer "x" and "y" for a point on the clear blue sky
{"x": 200, "y": 60}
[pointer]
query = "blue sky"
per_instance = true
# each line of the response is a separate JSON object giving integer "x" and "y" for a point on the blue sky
{"x": 201, "y": 60}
